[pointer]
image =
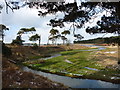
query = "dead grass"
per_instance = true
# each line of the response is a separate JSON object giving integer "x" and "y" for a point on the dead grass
{"x": 13, "y": 77}
{"x": 106, "y": 58}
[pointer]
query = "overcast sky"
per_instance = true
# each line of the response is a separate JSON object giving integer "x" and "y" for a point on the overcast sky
{"x": 27, "y": 18}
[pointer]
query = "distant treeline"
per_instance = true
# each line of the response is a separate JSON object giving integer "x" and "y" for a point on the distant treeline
{"x": 107, "y": 40}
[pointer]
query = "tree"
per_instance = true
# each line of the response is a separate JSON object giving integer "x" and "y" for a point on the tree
{"x": 78, "y": 36}
{"x": 17, "y": 41}
{"x": 52, "y": 39}
{"x": 54, "y": 33}
{"x": 25, "y": 31}
{"x": 57, "y": 37}
{"x": 79, "y": 15}
{"x": 65, "y": 32}
{"x": 64, "y": 39}
{"x": 35, "y": 38}
{"x": 2, "y": 29}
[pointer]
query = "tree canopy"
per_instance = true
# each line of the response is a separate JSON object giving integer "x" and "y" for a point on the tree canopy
{"x": 79, "y": 15}
{"x": 34, "y": 37}
{"x": 76, "y": 14}
{"x": 26, "y": 30}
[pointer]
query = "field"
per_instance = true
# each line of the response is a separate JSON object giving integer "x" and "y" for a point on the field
{"x": 85, "y": 63}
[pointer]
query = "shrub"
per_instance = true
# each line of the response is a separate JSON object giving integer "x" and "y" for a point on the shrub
{"x": 35, "y": 46}
{"x": 6, "y": 51}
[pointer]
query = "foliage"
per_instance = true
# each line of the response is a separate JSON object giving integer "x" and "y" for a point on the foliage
{"x": 54, "y": 35}
{"x": 78, "y": 36}
{"x": 17, "y": 41}
{"x": 78, "y": 15}
{"x": 66, "y": 32}
{"x": 26, "y": 30}
{"x": 106, "y": 25}
{"x": 34, "y": 37}
{"x": 108, "y": 40}
{"x": 35, "y": 46}
{"x": 6, "y": 51}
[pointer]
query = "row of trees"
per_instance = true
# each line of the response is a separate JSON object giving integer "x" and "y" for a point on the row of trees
{"x": 22, "y": 31}
{"x": 107, "y": 40}
{"x": 80, "y": 15}
{"x": 55, "y": 35}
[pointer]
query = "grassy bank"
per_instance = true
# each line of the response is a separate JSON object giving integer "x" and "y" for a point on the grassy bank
{"x": 14, "y": 77}
{"x": 76, "y": 63}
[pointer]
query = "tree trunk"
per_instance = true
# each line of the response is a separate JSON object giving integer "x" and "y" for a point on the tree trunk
{"x": 63, "y": 42}
{"x": 2, "y": 36}
{"x": 48, "y": 42}
{"x": 56, "y": 42}
{"x": 53, "y": 42}
{"x": 39, "y": 40}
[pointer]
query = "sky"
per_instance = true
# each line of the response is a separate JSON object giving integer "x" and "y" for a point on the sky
{"x": 27, "y": 18}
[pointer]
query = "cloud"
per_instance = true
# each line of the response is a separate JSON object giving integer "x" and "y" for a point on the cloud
{"x": 26, "y": 17}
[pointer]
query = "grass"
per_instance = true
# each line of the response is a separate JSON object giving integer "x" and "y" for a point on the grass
{"x": 80, "y": 60}
{"x": 71, "y": 52}
{"x": 38, "y": 57}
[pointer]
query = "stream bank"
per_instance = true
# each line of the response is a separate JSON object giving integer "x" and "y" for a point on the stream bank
{"x": 82, "y": 81}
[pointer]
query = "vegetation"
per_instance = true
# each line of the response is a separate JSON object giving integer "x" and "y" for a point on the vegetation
{"x": 75, "y": 63}
{"x": 107, "y": 40}
{"x": 17, "y": 41}
{"x": 26, "y": 30}
{"x": 35, "y": 38}
{"x": 6, "y": 51}
{"x": 54, "y": 35}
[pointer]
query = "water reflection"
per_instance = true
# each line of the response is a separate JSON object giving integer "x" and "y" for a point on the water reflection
{"x": 74, "y": 82}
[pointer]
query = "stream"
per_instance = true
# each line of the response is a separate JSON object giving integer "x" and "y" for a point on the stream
{"x": 74, "y": 82}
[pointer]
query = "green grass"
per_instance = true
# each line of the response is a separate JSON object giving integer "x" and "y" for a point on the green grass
{"x": 79, "y": 59}
{"x": 71, "y": 52}
{"x": 38, "y": 57}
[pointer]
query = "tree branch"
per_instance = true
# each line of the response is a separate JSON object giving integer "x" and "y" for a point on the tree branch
{"x": 7, "y": 5}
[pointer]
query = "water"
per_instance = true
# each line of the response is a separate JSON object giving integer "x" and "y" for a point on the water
{"x": 91, "y": 68}
{"x": 74, "y": 82}
{"x": 52, "y": 56}
{"x": 98, "y": 47}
